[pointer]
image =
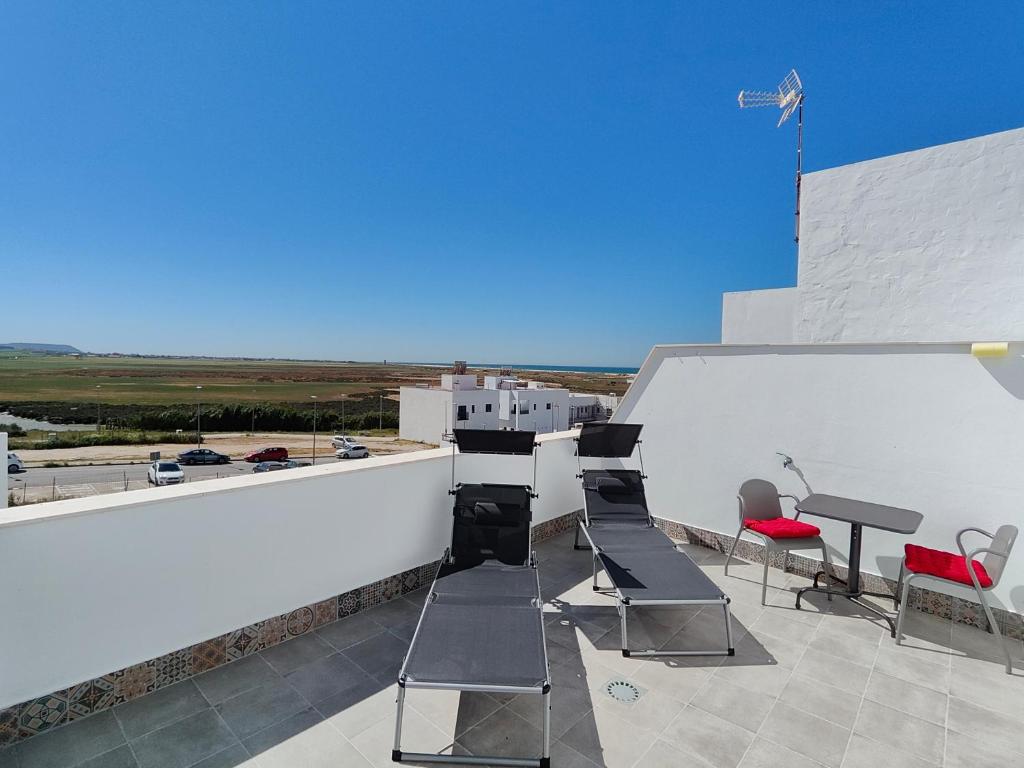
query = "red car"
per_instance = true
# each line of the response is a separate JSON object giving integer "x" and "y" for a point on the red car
{"x": 268, "y": 454}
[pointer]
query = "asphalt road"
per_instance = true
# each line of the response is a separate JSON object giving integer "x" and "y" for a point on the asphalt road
{"x": 69, "y": 482}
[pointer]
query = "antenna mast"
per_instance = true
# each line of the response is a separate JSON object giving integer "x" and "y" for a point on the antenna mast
{"x": 789, "y": 97}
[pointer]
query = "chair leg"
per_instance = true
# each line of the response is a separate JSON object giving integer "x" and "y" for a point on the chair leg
{"x": 902, "y": 611}
{"x": 897, "y": 596}
{"x": 732, "y": 549}
{"x": 995, "y": 631}
{"x": 764, "y": 578}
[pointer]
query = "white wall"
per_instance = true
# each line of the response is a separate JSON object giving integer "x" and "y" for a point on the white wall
{"x": 97, "y": 584}
{"x": 3, "y": 469}
{"x": 921, "y": 246}
{"x": 928, "y": 427}
{"x": 759, "y": 317}
{"x": 424, "y": 414}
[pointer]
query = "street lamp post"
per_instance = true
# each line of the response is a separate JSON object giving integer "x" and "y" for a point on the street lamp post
{"x": 314, "y": 428}
{"x": 199, "y": 431}
{"x": 380, "y": 419}
{"x": 97, "y": 407}
{"x": 343, "y": 414}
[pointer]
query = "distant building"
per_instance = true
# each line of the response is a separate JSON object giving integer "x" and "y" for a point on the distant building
{"x": 504, "y": 401}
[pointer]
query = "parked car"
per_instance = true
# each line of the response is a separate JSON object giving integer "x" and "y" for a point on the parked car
{"x": 268, "y": 454}
{"x": 273, "y": 466}
{"x": 343, "y": 441}
{"x": 202, "y": 456}
{"x": 164, "y": 473}
{"x": 14, "y": 464}
{"x": 352, "y": 451}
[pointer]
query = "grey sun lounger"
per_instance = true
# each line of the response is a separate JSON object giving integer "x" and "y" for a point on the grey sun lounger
{"x": 482, "y": 624}
{"x": 643, "y": 564}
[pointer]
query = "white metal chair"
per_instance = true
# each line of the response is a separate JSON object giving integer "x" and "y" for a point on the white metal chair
{"x": 963, "y": 569}
{"x": 759, "y": 504}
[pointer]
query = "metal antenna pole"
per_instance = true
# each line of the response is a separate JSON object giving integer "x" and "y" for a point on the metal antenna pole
{"x": 799, "y": 163}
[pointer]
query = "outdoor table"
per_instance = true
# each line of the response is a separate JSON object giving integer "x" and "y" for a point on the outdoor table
{"x": 858, "y": 514}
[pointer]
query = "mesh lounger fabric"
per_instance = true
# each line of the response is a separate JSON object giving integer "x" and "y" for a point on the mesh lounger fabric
{"x": 481, "y": 626}
{"x": 659, "y": 575}
{"x": 628, "y": 538}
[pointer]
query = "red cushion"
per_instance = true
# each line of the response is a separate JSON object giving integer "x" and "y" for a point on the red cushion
{"x": 945, "y": 565}
{"x": 782, "y": 528}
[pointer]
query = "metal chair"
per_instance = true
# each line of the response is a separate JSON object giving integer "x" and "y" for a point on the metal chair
{"x": 759, "y": 500}
{"x": 992, "y": 566}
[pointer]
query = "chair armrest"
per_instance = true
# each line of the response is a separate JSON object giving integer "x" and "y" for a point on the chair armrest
{"x": 796, "y": 500}
{"x": 960, "y": 536}
{"x": 969, "y": 558}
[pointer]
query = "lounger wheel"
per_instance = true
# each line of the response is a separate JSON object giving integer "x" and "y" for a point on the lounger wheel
{"x": 396, "y": 755}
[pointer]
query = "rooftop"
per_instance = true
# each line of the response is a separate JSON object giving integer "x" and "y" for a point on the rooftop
{"x": 823, "y": 686}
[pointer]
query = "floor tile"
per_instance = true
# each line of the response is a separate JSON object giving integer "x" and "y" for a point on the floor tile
{"x": 991, "y": 688}
{"x": 184, "y": 742}
{"x": 739, "y": 706}
{"x": 816, "y": 698}
{"x": 846, "y": 647}
{"x": 863, "y": 752}
{"x": 834, "y": 671}
{"x": 564, "y": 756}
{"x": 967, "y": 752}
{"x": 901, "y": 730}
{"x": 350, "y": 630}
{"x": 606, "y": 739}
{"x": 715, "y": 741}
{"x": 653, "y": 711}
{"x": 316, "y": 745}
{"x": 234, "y": 678}
{"x": 71, "y": 744}
{"x": 325, "y": 677}
{"x": 418, "y": 735}
{"x": 159, "y": 708}
{"x": 679, "y": 682}
{"x": 292, "y": 654}
{"x": 765, "y": 754}
{"x": 664, "y": 755}
{"x": 455, "y": 712}
{"x": 379, "y": 654}
{"x": 281, "y": 731}
{"x": 806, "y": 734}
{"x": 766, "y": 679}
{"x": 261, "y": 707}
{"x": 984, "y": 724}
{"x": 354, "y": 710}
{"x": 914, "y": 666}
{"x": 396, "y": 612}
{"x": 235, "y": 756}
{"x": 775, "y": 624}
{"x": 926, "y": 703}
{"x": 121, "y": 757}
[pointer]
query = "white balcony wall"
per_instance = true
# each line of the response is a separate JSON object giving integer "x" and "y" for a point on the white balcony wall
{"x": 924, "y": 426}
{"x": 97, "y": 584}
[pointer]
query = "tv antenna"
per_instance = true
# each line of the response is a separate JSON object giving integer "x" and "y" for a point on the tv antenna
{"x": 789, "y": 97}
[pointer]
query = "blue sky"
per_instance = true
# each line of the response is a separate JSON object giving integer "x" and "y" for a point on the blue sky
{"x": 564, "y": 182}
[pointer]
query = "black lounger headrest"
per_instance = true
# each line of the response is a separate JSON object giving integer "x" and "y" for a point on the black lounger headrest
{"x": 487, "y": 513}
{"x": 610, "y": 485}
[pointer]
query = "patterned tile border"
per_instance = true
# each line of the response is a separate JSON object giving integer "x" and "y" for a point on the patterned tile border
{"x": 925, "y": 600}
{"x": 22, "y": 721}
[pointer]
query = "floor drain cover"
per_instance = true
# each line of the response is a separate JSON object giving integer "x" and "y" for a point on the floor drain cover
{"x": 622, "y": 690}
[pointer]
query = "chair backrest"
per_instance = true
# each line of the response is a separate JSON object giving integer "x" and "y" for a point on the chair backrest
{"x": 492, "y": 522}
{"x": 759, "y": 500}
{"x": 615, "y": 496}
{"x": 1002, "y": 544}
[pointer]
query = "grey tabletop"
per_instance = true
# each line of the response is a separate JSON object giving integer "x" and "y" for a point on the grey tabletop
{"x": 879, "y": 516}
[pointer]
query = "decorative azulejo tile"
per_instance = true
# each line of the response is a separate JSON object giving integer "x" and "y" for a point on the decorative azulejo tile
{"x": 300, "y": 621}
{"x": 325, "y": 612}
{"x": 209, "y": 654}
{"x": 970, "y": 613}
{"x": 935, "y": 603}
{"x": 90, "y": 697}
{"x": 272, "y": 631}
{"x": 242, "y": 642}
{"x": 42, "y": 714}
{"x": 131, "y": 682}
{"x": 173, "y": 667}
{"x": 350, "y": 602}
{"x": 8, "y": 725}
{"x": 410, "y": 580}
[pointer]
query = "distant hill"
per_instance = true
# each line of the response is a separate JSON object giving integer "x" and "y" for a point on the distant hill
{"x": 53, "y": 349}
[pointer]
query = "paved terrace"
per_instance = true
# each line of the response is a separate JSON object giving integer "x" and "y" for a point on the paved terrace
{"x": 818, "y": 687}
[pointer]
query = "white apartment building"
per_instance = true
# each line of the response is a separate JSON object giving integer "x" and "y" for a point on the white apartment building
{"x": 427, "y": 414}
{"x": 584, "y": 407}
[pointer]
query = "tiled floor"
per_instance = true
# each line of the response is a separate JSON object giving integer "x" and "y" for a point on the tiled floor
{"x": 818, "y": 687}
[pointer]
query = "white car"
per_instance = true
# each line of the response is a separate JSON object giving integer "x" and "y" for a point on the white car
{"x": 14, "y": 464}
{"x": 352, "y": 451}
{"x": 343, "y": 441}
{"x": 164, "y": 473}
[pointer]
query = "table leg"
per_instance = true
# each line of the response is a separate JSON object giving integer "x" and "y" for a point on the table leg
{"x": 853, "y": 590}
